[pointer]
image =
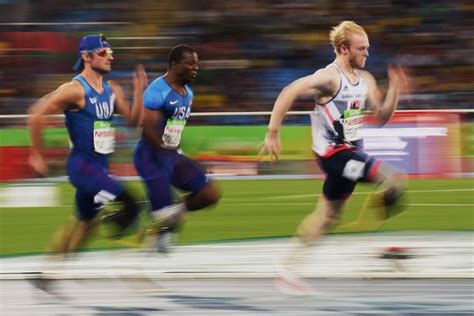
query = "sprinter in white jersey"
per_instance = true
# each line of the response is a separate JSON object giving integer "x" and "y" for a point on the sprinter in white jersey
{"x": 342, "y": 90}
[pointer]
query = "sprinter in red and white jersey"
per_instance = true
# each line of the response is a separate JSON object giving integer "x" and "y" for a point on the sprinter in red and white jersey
{"x": 342, "y": 91}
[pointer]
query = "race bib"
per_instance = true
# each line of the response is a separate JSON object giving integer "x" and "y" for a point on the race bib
{"x": 172, "y": 133}
{"x": 352, "y": 123}
{"x": 104, "y": 137}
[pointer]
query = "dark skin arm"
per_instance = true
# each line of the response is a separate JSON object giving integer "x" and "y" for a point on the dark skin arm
{"x": 151, "y": 119}
{"x": 153, "y": 135}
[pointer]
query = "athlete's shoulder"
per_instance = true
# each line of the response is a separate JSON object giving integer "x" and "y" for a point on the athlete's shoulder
{"x": 367, "y": 76}
{"x": 73, "y": 84}
{"x": 155, "y": 94}
{"x": 330, "y": 72}
{"x": 159, "y": 84}
{"x": 72, "y": 90}
{"x": 67, "y": 96}
{"x": 326, "y": 79}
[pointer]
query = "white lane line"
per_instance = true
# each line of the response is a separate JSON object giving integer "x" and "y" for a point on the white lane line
{"x": 442, "y": 205}
{"x": 314, "y": 203}
{"x": 270, "y": 203}
{"x": 440, "y": 190}
{"x": 297, "y": 196}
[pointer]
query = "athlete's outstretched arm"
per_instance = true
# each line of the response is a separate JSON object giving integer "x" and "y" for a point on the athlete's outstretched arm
{"x": 133, "y": 115}
{"x": 397, "y": 84}
{"x": 67, "y": 96}
{"x": 316, "y": 85}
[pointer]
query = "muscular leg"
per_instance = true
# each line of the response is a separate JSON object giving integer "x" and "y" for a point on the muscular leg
{"x": 95, "y": 188}
{"x": 310, "y": 230}
{"x": 380, "y": 204}
{"x": 81, "y": 235}
{"x": 336, "y": 190}
{"x": 73, "y": 235}
{"x": 323, "y": 217}
{"x": 208, "y": 196}
{"x": 390, "y": 188}
{"x": 188, "y": 176}
{"x": 174, "y": 214}
{"x": 60, "y": 241}
{"x": 124, "y": 218}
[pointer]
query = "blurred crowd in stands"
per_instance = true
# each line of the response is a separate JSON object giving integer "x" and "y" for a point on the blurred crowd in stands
{"x": 249, "y": 49}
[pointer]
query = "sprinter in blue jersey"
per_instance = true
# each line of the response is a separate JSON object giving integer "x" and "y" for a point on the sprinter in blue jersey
{"x": 157, "y": 157}
{"x": 88, "y": 104}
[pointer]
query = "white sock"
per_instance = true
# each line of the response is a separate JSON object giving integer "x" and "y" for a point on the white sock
{"x": 169, "y": 211}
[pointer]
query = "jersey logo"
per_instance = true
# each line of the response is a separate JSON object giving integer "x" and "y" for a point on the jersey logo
{"x": 353, "y": 170}
{"x": 173, "y": 102}
{"x": 93, "y": 100}
{"x": 103, "y": 110}
{"x": 356, "y": 104}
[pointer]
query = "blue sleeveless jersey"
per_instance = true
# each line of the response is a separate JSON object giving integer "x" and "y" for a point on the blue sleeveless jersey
{"x": 160, "y": 96}
{"x": 162, "y": 169}
{"x": 83, "y": 124}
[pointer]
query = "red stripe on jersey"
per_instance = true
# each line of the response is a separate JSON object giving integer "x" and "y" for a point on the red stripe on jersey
{"x": 333, "y": 150}
{"x": 374, "y": 169}
{"x": 328, "y": 114}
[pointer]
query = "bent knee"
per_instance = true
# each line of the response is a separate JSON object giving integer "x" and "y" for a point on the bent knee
{"x": 392, "y": 195}
{"x": 207, "y": 197}
{"x": 212, "y": 195}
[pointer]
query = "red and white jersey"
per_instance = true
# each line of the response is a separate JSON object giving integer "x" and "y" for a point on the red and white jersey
{"x": 336, "y": 124}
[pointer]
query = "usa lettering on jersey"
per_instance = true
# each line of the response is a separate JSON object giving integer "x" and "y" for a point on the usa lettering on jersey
{"x": 103, "y": 110}
{"x": 181, "y": 113}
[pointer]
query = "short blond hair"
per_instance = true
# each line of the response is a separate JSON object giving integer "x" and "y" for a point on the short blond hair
{"x": 339, "y": 34}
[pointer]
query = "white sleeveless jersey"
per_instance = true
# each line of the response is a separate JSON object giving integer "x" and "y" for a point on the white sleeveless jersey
{"x": 336, "y": 124}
